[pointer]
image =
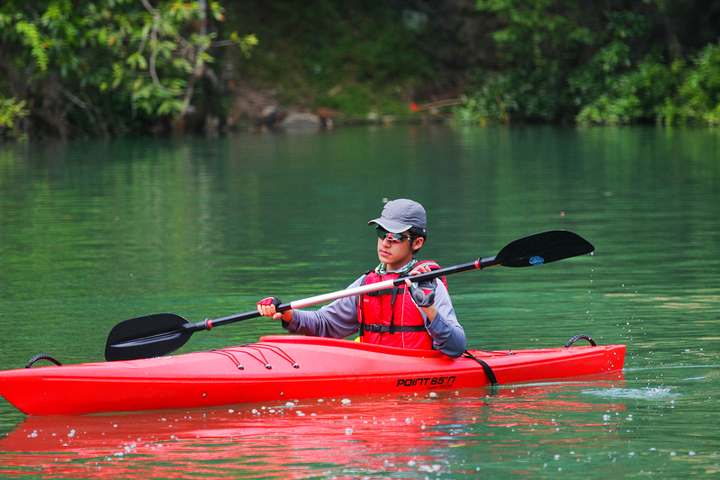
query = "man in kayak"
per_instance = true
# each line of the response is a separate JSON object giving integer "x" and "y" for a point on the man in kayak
{"x": 415, "y": 316}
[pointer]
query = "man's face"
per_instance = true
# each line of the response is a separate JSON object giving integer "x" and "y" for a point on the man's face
{"x": 394, "y": 249}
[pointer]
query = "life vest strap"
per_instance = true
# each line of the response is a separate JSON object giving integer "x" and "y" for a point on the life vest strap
{"x": 386, "y": 291}
{"x": 378, "y": 328}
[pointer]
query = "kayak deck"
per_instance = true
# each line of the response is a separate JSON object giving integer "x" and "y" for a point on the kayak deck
{"x": 285, "y": 367}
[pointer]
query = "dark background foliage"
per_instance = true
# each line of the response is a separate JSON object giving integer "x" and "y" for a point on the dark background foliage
{"x": 81, "y": 69}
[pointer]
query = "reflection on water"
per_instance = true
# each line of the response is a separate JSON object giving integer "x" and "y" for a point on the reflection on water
{"x": 94, "y": 233}
{"x": 408, "y": 436}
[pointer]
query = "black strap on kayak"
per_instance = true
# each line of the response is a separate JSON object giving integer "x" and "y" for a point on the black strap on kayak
{"x": 43, "y": 356}
{"x": 488, "y": 371}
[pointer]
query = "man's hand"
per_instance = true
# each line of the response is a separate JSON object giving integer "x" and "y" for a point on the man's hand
{"x": 268, "y": 308}
{"x": 419, "y": 295}
{"x": 427, "y": 300}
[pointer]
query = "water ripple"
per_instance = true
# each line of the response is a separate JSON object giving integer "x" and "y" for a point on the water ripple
{"x": 650, "y": 393}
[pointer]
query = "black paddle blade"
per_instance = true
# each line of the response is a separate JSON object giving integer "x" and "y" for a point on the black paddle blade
{"x": 543, "y": 248}
{"x": 145, "y": 337}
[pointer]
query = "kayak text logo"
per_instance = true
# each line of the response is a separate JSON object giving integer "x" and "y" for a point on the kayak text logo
{"x": 429, "y": 382}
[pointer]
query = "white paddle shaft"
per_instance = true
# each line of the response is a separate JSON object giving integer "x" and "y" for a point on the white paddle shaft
{"x": 329, "y": 297}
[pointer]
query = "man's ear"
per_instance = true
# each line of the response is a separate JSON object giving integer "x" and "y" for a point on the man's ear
{"x": 417, "y": 244}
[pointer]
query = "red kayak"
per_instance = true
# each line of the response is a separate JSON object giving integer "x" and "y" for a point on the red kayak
{"x": 286, "y": 367}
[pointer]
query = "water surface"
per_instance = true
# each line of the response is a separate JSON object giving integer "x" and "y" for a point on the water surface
{"x": 94, "y": 233}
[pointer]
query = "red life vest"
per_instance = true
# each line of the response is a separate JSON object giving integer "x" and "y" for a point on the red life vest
{"x": 389, "y": 317}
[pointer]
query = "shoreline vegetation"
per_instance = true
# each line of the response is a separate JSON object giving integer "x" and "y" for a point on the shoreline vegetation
{"x": 81, "y": 69}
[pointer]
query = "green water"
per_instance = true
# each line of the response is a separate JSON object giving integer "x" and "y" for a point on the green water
{"x": 94, "y": 233}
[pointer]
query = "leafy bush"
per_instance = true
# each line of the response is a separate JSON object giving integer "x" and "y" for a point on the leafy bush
{"x": 535, "y": 42}
{"x": 556, "y": 63}
{"x": 97, "y": 68}
{"x": 631, "y": 97}
{"x": 698, "y": 98}
{"x": 10, "y": 111}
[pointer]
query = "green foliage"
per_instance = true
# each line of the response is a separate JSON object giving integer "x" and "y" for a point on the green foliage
{"x": 632, "y": 96}
{"x": 557, "y": 61}
{"x": 684, "y": 92}
{"x": 10, "y": 111}
{"x": 698, "y": 98}
{"x": 623, "y": 89}
{"x": 353, "y": 56}
{"x": 490, "y": 103}
{"x": 105, "y": 68}
{"x": 109, "y": 65}
{"x": 536, "y": 32}
{"x": 536, "y": 44}
{"x": 355, "y": 100}
{"x": 31, "y": 38}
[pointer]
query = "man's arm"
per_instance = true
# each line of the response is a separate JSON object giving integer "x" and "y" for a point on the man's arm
{"x": 336, "y": 320}
{"x": 442, "y": 325}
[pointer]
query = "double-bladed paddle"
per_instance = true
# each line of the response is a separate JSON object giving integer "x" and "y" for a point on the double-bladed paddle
{"x": 163, "y": 333}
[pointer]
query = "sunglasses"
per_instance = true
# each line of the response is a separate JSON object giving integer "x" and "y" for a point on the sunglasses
{"x": 392, "y": 237}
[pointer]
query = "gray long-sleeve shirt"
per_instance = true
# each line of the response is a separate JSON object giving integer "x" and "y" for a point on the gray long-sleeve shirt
{"x": 340, "y": 319}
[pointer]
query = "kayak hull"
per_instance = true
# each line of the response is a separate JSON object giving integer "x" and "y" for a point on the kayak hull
{"x": 281, "y": 368}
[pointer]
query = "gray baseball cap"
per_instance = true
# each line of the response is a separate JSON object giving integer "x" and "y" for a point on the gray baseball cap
{"x": 401, "y": 214}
